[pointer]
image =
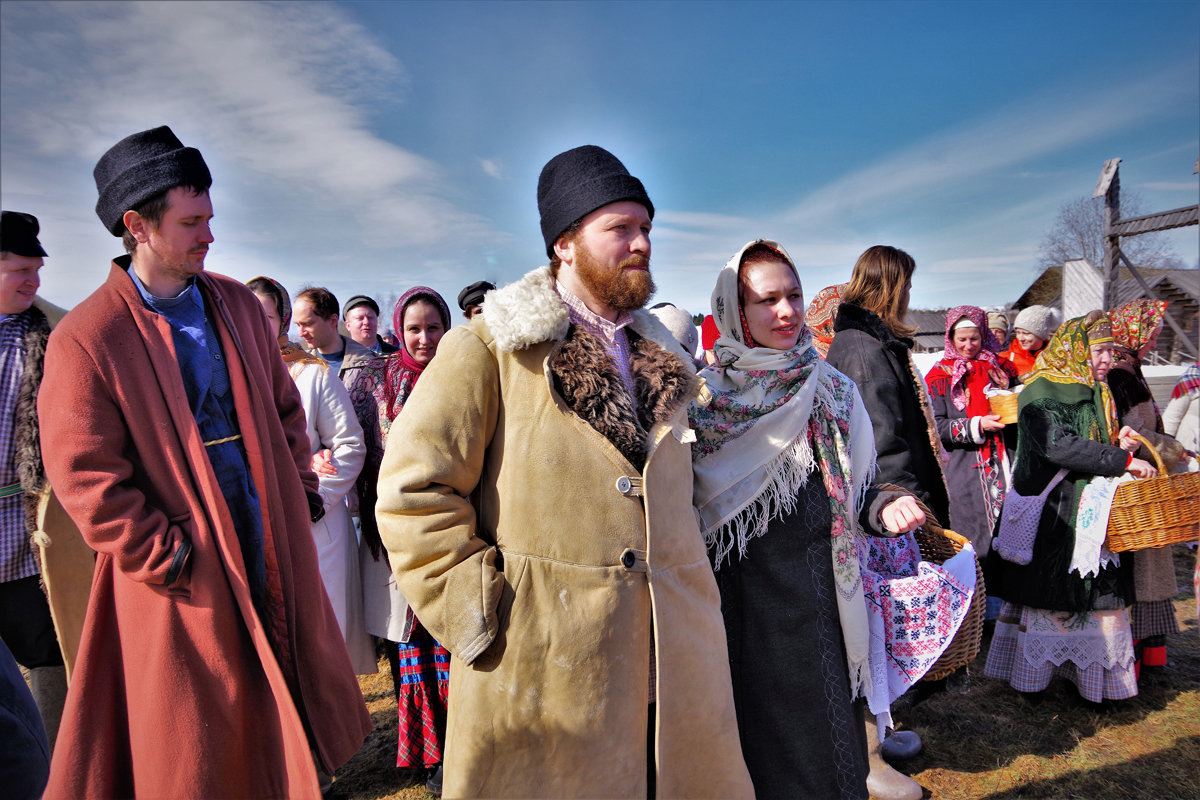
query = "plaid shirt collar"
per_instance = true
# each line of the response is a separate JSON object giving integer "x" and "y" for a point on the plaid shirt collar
{"x": 583, "y": 316}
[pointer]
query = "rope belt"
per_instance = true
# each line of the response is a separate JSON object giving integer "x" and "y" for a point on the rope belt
{"x": 233, "y": 438}
{"x": 11, "y": 490}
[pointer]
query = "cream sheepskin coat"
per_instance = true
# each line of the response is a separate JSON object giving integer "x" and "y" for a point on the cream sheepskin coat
{"x": 546, "y": 562}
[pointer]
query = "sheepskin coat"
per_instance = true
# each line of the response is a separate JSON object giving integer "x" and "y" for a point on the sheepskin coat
{"x": 180, "y": 689}
{"x": 64, "y": 559}
{"x": 543, "y": 531}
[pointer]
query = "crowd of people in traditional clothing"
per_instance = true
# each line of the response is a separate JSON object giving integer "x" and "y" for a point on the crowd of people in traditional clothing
{"x": 600, "y": 560}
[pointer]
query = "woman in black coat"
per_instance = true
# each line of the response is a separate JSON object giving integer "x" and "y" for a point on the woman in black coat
{"x": 871, "y": 345}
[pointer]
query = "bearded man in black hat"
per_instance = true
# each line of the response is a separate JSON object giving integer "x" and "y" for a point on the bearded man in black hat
{"x": 172, "y": 432}
{"x": 539, "y": 522}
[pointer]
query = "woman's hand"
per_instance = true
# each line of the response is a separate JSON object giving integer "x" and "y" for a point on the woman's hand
{"x": 322, "y": 463}
{"x": 1141, "y": 469}
{"x": 902, "y": 515}
{"x": 991, "y": 422}
{"x": 998, "y": 377}
{"x": 1128, "y": 443}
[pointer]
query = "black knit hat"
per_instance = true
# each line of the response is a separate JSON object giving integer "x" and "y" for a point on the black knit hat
{"x": 473, "y": 294}
{"x": 140, "y": 166}
{"x": 575, "y": 183}
{"x": 18, "y": 234}
{"x": 359, "y": 300}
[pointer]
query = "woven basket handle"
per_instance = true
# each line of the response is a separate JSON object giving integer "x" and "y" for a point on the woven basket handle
{"x": 1158, "y": 462}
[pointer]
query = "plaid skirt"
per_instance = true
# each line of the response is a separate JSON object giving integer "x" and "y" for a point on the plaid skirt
{"x": 1016, "y": 656}
{"x": 1153, "y": 618}
{"x": 421, "y": 677}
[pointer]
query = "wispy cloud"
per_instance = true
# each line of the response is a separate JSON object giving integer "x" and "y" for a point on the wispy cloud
{"x": 492, "y": 167}
{"x": 1005, "y": 140}
{"x": 275, "y": 95}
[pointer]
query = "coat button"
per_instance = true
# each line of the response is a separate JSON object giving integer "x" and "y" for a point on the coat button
{"x": 624, "y": 485}
{"x": 628, "y": 559}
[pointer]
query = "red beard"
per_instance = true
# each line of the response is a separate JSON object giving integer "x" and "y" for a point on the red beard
{"x": 625, "y": 289}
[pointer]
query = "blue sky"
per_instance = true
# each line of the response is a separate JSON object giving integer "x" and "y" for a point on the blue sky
{"x": 372, "y": 146}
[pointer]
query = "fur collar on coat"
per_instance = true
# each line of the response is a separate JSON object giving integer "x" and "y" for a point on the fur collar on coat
{"x": 530, "y": 312}
{"x": 856, "y": 318}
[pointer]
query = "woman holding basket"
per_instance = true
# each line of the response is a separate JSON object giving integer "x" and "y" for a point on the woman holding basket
{"x": 1136, "y": 326}
{"x": 783, "y": 464}
{"x": 1056, "y": 621}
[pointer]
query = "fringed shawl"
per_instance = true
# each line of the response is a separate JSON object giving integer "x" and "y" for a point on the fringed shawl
{"x": 775, "y": 417}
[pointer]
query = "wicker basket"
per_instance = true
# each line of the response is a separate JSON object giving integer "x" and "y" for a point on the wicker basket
{"x": 1005, "y": 405}
{"x": 938, "y": 546}
{"x": 1155, "y": 512}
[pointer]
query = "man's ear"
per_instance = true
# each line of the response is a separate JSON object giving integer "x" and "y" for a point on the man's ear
{"x": 564, "y": 248}
{"x": 137, "y": 225}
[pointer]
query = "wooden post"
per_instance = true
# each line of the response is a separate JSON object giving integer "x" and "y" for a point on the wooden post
{"x": 1110, "y": 186}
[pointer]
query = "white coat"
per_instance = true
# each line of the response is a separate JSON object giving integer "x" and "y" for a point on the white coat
{"x": 333, "y": 425}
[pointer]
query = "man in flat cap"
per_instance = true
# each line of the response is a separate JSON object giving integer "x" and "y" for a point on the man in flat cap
{"x": 360, "y": 315}
{"x": 211, "y": 663}
{"x": 538, "y": 517}
{"x": 470, "y": 299}
{"x": 26, "y": 622}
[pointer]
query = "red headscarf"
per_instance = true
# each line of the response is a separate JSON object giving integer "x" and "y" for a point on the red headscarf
{"x": 959, "y": 366}
{"x": 401, "y": 370}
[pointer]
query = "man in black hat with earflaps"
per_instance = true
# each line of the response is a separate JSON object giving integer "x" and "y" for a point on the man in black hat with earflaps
{"x": 539, "y": 522}
{"x": 172, "y": 432}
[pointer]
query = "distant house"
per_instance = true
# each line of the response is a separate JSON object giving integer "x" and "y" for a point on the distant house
{"x": 931, "y": 330}
{"x": 1179, "y": 287}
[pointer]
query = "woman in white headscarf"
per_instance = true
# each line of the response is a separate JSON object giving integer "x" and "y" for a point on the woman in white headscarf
{"x": 783, "y": 463}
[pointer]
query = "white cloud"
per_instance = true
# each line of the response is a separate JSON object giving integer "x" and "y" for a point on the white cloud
{"x": 275, "y": 95}
{"x": 492, "y": 167}
{"x": 998, "y": 142}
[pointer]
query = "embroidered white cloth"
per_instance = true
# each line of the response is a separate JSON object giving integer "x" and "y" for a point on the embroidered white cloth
{"x": 914, "y": 608}
{"x": 1091, "y": 526}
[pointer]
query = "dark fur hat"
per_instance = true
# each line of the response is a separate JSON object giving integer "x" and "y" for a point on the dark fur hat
{"x": 140, "y": 166}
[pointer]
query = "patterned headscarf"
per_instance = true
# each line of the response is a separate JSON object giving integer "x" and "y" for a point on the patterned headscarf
{"x": 290, "y": 351}
{"x": 1133, "y": 324}
{"x": 959, "y": 365}
{"x": 821, "y": 313}
{"x": 1189, "y": 382}
{"x": 1066, "y": 360}
{"x": 775, "y": 416}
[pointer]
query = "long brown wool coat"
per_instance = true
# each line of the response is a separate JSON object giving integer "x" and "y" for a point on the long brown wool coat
{"x": 180, "y": 690}
{"x": 545, "y": 558}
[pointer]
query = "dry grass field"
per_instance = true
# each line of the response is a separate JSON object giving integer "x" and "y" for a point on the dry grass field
{"x": 987, "y": 743}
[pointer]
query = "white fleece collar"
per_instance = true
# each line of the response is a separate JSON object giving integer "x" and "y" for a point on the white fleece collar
{"x": 529, "y": 311}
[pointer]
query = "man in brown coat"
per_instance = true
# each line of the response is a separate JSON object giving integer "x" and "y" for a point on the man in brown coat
{"x": 211, "y": 663}
{"x": 537, "y": 510}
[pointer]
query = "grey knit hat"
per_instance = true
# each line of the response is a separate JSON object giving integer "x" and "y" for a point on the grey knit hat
{"x": 140, "y": 166}
{"x": 575, "y": 183}
{"x": 679, "y": 323}
{"x": 1041, "y": 321}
